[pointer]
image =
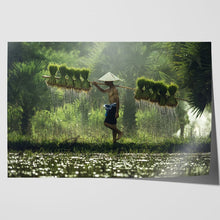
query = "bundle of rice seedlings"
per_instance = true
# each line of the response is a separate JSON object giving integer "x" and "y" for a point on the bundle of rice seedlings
{"x": 52, "y": 69}
{"x": 162, "y": 89}
{"x": 140, "y": 88}
{"x": 138, "y": 94}
{"x": 63, "y": 72}
{"x": 148, "y": 89}
{"x": 78, "y": 83}
{"x": 70, "y": 81}
{"x": 141, "y": 83}
{"x": 171, "y": 101}
{"x": 85, "y": 75}
{"x": 155, "y": 96}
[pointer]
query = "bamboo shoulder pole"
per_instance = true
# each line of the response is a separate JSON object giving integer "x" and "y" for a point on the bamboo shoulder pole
{"x": 103, "y": 84}
{"x": 45, "y": 76}
{"x": 125, "y": 87}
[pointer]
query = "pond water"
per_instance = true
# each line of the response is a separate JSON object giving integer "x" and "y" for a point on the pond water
{"x": 100, "y": 165}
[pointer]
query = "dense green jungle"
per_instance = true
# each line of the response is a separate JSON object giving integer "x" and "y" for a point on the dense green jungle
{"x": 54, "y": 125}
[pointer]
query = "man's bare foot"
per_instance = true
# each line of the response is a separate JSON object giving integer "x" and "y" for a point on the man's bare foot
{"x": 119, "y": 135}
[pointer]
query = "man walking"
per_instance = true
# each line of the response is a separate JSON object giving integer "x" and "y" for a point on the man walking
{"x": 112, "y": 110}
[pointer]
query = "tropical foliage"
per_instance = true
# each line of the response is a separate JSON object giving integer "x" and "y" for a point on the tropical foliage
{"x": 181, "y": 70}
{"x": 192, "y": 62}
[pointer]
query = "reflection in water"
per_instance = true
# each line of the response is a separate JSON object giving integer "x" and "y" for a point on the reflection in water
{"x": 128, "y": 165}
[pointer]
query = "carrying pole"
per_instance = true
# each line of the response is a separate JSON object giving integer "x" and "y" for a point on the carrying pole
{"x": 124, "y": 87}
{"x": 103, "y": 84}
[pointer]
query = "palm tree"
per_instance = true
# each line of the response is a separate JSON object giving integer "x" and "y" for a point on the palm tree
{"x": 192, "y": 62}
{"x": 26, "y": 89}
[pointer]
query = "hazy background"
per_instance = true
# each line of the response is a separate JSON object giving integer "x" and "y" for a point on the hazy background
{"x": 42, "y": 113}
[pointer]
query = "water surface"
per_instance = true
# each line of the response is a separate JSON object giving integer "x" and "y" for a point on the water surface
{"x": 126, "y": 165}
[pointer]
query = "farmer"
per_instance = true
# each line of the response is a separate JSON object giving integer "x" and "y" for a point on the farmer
{"x": 112, "y": 110}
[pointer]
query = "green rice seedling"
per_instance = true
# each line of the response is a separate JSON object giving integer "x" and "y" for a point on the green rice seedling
{"x": 85, "y": 75}
{"x": 171, "y": 101}
{"x": 69, "y": 81}
{"x": 52, "y": 69}
{"x": 140, "y": 83}
{"x": 155, "y": 96}
{"x": 78, "y": 82}
{"x": 148, "y": 84}
{"x": 138, "y": 94}
{"x": 145, "y": 95}
{"x": 162, "y": 100}
{"x": 148, "y": 91}
{"x": 172, "y": 88}
{"x": 162, "y": 89}
{"x": 63, "y": 72}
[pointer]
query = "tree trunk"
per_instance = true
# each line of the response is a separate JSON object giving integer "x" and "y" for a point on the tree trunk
{"x": 129, "y": 121}
{"x": 182, "y": 127}
{"x": 25, "y": 122}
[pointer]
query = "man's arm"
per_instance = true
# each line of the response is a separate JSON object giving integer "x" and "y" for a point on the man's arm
{"x": 100, "y": 89}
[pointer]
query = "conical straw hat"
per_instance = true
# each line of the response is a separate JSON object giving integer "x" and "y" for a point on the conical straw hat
{"x": 109, "y": 77}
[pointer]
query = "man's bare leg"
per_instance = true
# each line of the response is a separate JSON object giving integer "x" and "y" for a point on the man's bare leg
{"x": 119, "y": 135}
{"x": 114, "y": 133}
{"x": 115, "y": 129}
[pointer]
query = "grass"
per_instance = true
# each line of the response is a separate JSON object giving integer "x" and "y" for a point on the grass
{"x": 89, "y": 157}
{"x": 165, "y": 146}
